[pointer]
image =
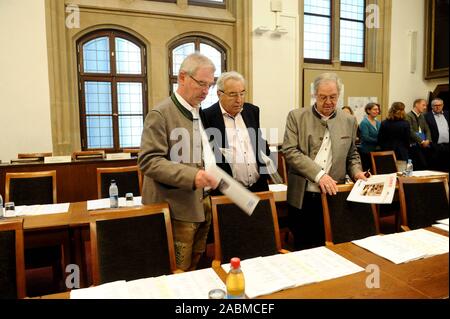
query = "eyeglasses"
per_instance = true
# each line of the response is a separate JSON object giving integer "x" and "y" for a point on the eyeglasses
{"x": 324, "y": 98}
{"x": 201, "y": 83}
{"x": 235, "y": 94}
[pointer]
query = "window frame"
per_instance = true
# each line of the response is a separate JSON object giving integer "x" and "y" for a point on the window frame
{"x": 114, "y": 78}
{"x": 197, "y": 39}
{"x": 208, "y": 3}
{"x": 350, "y": 63}
{"x": 331, "y": 16}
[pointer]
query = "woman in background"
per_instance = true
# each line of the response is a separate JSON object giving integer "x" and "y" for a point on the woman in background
{"x": 369, "y": 128}
{"x": 394, "y": 132}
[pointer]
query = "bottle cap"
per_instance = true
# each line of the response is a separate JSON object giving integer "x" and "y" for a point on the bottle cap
{"x": 235, "y": 262}
{"x": 113, "y": 181}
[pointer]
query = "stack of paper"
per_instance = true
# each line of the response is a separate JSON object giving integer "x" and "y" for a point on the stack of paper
{"x": 187, "y": 285}
{"x": 105, "y": 203}
{"x": 265, "y": 275}
{"x": 442, "y": 224}
{"x": 33, "y": 210}
{"x": 407, "y": 246}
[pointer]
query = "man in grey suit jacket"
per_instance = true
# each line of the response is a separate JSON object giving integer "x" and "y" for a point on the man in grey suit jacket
{"x": 420, "y": 135}
{"x": 319, "y": 146}
{"x": 171, "y": 160}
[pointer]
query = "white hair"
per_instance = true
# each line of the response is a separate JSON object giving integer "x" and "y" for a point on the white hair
{"x": 232, "y": 75}
{"x": 327, "y": 77}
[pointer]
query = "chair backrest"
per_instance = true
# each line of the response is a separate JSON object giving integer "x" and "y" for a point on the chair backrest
{"x": 423, "y": 200}
{"x": 12, "y": 264}
{"x": 132, "y": 243}
{"x": 81, "y": 155}
{"x": 31, "y": 188}
{"x": 237, "y": 234}
{"x": 384, "y": 162}
{"x": 281, "y": 168}
{"x": 128, "y": 180}
{"x": 346, "y": 221}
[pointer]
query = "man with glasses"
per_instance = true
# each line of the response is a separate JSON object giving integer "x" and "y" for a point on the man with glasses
{"x": 233, "y": 126}
{"x": 172, "y": 162}
{"x": 319, "y": 146}
{"x": 438, "y": 123}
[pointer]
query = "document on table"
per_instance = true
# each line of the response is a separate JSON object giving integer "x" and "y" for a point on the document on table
{"x": 33, "y": 210}
{"x": 441, "y": 226}
{"x": 407, "y": 246}
{"x": 427, "y": 173}
{"x": 443, "y": 221}
{"x": 242, "y": 197}
{"x": 105, "y": 203}
{"x": 377, "y": 189}
{"x": 265, "y": 275}
{"x": 187, "y": 285}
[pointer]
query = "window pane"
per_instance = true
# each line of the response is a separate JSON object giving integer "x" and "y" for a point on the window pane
{"x": 130, "y": 131}
{"x": 352, "y": 41}
{"x": 96, "y": 56}
{"x": 352, "y": 9}
{"x": 98, "y": 97}
{"x": 316, "y": 37}
{"x": 99, "y": 131}
{"x": 322, "y": 7}
{"x": 128, "y": 57}
{"x": 214, "y": 55}
{"x": 178, "y": 55}
{"x": 211, "y": 98}
{"x": 129, "y": 96}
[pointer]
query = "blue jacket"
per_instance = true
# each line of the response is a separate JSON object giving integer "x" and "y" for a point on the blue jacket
{"x": 368, "y": 135}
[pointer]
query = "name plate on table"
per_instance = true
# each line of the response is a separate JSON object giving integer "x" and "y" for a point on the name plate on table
{"x": 57, "y": 159}
{"x": 117, "y": 156}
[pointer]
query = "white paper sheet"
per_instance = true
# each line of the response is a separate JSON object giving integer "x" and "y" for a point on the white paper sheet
{"x": 187, "y": 285}
{"x": 265, "y": 275}
{"x": 378, "y": 189}
{"x": 407, "y": 246}
{"x": 441, "y": 226}
{"x": 34, "y": 210}
{"x": 443, "y": 221}
{"x": 104, "y": 203}
{"x": 241, "y": 196}
{"x": 427, "y": 173}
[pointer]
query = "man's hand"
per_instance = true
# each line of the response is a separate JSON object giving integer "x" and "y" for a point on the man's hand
{"x": 203, "y": 179}
{"x": 425, "y": 143}
{"x": 361, "y": 175}
{"x": 328, "y": 185}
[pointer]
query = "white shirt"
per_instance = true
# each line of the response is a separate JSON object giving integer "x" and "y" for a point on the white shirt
{"x": 323, "y": 158}
{"x": 442, "y": 125}
{"x": 240, "y": 153}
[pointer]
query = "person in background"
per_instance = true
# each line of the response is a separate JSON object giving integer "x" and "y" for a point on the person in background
{"x": 368, "y": 128}
{"x": 438, "y": 123}
{"x": 240, "y": 141}
{"x": 319, "y": 147}
{"x": 348, "y": 109}
{"x": 420, "y": 135}
{"x": 175, "y": 174}
{"x": 394, "y": 131}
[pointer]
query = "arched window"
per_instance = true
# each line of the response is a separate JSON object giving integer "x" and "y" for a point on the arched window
{"x": 112, "y": 77}
{"x": 185, "y": 46}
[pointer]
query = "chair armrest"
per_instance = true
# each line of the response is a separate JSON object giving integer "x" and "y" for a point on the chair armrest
{"x": 329, "y": 244}
{"x": 405, "y": 228}
{"x": 284, "y": 251}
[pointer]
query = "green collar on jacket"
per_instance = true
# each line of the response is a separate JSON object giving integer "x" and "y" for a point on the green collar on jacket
{"x": 181, "y": 108}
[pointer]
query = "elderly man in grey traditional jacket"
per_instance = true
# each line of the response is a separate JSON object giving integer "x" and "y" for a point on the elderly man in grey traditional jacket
{"x": 319, "y": 147}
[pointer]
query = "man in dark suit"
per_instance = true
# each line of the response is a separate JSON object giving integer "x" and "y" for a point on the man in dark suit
{"x": 437, "y": 121}
{"x": 233, "y": 129}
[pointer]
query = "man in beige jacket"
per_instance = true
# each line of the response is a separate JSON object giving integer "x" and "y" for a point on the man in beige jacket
{"x": 171, "y": 160}
{"x": 319, "y": 147}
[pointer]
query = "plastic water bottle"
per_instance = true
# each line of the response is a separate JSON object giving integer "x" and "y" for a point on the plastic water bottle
{"x": 409, "y": 168}
{"x": 235, "y": 280}
{"x": 113, "y": 194}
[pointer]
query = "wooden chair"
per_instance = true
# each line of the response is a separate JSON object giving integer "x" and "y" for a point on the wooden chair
{"x": 384, "y": 162}
{"x": 237, "y": 234}
{"x": 423, "y": 200}
{"x": 86, "y": 155}
{"x": 128, "y": 180}
{"x": 345, "y": 221}
{"x": 31, "y": 188}
{"x": 281, "y": 168}
{"x": 132, "y": 243}
{"x": 38, "y": 188}
{"x": 12, "y": 265}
